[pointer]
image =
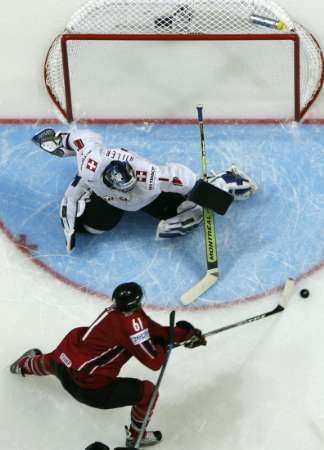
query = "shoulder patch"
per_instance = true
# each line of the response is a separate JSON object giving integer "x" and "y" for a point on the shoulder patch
{"x": 78, "y": 143}
{"x": 92, "y": 165}
{"x": 140, "y": 337}
{"x": 141, "y": 175}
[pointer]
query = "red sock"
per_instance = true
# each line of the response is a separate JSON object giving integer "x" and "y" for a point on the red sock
{"x": 36, "y": 365}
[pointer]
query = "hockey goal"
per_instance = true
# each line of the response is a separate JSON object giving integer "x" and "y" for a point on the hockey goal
{"x": 154, "y": 59}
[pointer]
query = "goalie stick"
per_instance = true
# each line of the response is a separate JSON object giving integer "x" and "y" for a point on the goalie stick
{"x": 209, "y": 231}
{"x": 282, "y": 304}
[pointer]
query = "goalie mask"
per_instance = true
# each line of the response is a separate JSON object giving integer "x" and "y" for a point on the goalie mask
{"x": 119, "y": 175}
{"x": 49, "y": 141}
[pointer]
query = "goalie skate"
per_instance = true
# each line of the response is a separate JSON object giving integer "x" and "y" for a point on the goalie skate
{"x": 235, "y": 182}
{"x": 16, "y": 366}
{"x": 149, "y": 438}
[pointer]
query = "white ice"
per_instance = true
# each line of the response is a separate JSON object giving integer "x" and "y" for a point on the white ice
{"x": 256, "y": 387}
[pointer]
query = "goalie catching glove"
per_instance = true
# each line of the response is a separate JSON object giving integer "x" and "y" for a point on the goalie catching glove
{"x": 53, "y": 143}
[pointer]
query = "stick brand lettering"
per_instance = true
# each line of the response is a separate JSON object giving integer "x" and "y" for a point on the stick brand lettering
{"x": 211, "y": 252}
{"x": 152, "y": 178}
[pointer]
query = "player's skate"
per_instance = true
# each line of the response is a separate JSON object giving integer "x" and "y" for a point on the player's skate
{"x": 149, "y": 438}
{"x": 16, "y": 367}
{"x": 235, "y": 182}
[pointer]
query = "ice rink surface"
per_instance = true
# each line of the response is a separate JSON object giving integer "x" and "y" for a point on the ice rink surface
{"x": 261, "y": 242}
{"x": 256, "y": 387}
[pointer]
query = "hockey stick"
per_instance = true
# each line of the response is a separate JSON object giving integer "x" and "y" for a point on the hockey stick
{"x": 209, "y": 231}
{"x": 289, "y": 286}
{"x": 156, "y": 389}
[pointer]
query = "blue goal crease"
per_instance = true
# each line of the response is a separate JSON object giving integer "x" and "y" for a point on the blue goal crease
{"x": 276, "y": 234}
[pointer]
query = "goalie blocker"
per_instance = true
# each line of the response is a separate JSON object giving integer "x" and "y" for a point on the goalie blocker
{"x": 209, "y": 196}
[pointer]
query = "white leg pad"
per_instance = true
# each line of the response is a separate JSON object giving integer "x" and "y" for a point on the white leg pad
{"x": 189, "y": 217}
{"x": 93, "y": 230}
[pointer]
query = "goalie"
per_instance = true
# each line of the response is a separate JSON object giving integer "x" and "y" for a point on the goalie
{"x": 110, "y": 181}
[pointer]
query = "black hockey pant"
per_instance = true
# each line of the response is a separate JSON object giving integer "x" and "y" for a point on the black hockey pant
{"x": 120, "y": 392}
{"x": 100, "y": 215}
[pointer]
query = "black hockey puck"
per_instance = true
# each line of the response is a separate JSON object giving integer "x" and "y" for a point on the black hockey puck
{"x": 97, "y": 446}
{"x": 304, "y": 293}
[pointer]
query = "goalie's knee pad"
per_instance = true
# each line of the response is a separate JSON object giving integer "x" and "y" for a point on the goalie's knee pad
{"x": 235, "y": 182}
{"x": 92, "y": 230}
{"x": 189, "y": 217}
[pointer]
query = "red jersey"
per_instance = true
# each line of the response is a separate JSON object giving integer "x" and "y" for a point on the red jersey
{"x": 94, "y": 355}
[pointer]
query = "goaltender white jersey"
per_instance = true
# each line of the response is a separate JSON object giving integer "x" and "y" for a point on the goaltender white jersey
{"x": 93, "y": 157}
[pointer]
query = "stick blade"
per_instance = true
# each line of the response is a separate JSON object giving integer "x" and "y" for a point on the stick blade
{"x": 286, "y": 292}
{"x": 203, "y": 285}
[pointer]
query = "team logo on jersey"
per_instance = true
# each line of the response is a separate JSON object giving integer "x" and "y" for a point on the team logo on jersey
{"x": 176, "y": 181}
{"x": 92, "y": 165}
{"x": 78, "y": 143}
{"x": 141, "y": 175}
{"x": 65, "y": 360}
{"x": 140, "y": 337}
{"x": 152, "y": 179}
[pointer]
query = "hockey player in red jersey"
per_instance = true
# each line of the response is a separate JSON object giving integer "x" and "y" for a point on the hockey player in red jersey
{"x": 88, "y": 359}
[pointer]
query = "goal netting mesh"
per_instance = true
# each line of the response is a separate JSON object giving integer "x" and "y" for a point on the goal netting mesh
{"x": 138, "y": 17}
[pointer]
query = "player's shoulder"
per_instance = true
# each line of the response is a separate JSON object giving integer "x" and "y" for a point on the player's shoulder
{"x": 80, "y": 138}
{"x": 91, "y": 161}
{"x": 135, "y": 325}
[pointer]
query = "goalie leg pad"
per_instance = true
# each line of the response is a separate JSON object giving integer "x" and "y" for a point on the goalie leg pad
{"x": 188, "y": 218}
{"x": 209, "y": 196}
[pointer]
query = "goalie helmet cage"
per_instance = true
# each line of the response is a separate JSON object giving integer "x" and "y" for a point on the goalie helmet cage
{"x": 172, "y": 20}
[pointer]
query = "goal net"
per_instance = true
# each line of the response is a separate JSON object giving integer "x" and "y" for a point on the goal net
{"x": 154, "y": 59}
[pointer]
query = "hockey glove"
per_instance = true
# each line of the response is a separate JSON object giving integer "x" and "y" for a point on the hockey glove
{"x": 194, "y": 337}
{"x": 68, "y": 222}
{"x": 53, "y": 143}
{"x": 69, "y": 233}
{"x": 73, "y": 205}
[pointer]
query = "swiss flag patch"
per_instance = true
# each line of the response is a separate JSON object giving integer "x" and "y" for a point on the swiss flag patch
{"x": 78, "y": 143}
{"x": 177, "y": 181}
{"x": 92, "y": 165}
{"x": 141, "y": 175}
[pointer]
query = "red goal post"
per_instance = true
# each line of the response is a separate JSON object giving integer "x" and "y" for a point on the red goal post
{"x": 66, "y": 106}
{"x": 180, "y": 21}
